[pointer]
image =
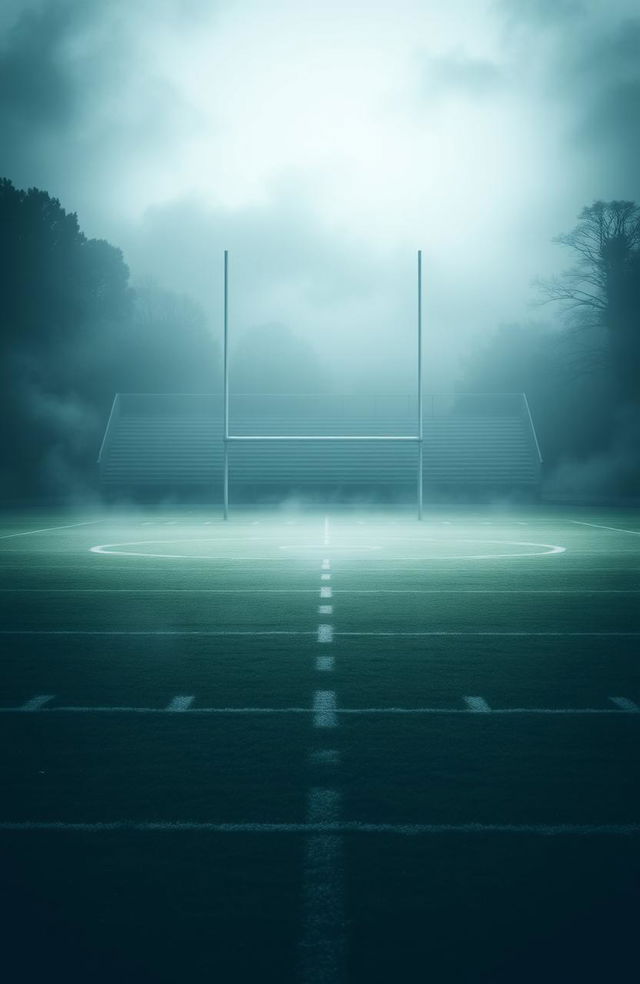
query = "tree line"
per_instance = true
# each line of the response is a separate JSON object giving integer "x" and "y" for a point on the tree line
{"x": 580, "y": 368}
{"x": 73, "y": 331}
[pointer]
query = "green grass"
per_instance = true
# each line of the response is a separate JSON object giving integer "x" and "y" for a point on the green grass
{"x": 448, "y": 906}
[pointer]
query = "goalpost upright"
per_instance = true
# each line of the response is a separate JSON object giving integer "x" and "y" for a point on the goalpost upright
{"x": 228, "y": 438}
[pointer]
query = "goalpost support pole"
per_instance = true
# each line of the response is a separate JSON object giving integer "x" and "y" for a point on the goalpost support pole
{"x": 420, "y": 424}
{"x": 225, "y": 393}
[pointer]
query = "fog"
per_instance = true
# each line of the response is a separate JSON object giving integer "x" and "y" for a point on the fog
{"x": 324, "y": 144}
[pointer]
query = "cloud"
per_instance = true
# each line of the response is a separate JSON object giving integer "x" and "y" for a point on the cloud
{"x": 460, "y": 73}
{"x": 324, "y": 148}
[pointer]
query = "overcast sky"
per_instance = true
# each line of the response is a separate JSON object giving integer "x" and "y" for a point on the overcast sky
{"x": 323, "y": 144}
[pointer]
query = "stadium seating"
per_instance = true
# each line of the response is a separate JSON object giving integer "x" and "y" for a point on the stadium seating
{"x": 157, "y": 443}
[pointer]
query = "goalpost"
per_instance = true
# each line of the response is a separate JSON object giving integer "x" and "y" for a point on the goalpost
{"x": 228, "y": 438}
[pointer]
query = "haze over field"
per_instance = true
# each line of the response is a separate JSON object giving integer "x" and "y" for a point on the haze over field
{"x": 323, "y": 144}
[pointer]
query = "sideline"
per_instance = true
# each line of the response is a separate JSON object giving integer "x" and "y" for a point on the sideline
{"x": 51, "y": 529}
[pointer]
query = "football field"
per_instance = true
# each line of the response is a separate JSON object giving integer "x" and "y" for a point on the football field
{"x": 320, "y": 747}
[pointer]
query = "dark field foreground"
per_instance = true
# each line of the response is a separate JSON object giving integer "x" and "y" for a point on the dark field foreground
{"x": 318, "y": 749}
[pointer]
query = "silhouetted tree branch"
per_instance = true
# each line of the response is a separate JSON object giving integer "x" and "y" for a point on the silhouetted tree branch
{"x": 602, "y": 290}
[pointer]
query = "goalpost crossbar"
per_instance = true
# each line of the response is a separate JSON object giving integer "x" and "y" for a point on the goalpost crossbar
{"x": 237, "y": 438}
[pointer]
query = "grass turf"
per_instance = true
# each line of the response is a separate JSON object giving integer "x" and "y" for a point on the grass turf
{"x": 459, "y": 906}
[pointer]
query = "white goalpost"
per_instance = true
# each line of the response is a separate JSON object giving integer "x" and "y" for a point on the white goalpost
{"x": 228, "y": 438}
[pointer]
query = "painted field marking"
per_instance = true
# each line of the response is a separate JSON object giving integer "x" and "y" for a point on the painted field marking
{"x": 205, "y": 633}
{"x": 453, "y": 591}
{"x": 51, "y": 529}
{"x": 477, "y": 704}
{"x": 596, "y": 526}
{"x": 341, "y": 827}
{"x": 324, "y": 756}
{"x": 325, "y": 633}
{"x": 323, "y": 943}
{"x": 624, "y": 704}
{"x": 517, "y": 635}
{"x": 326, "y": 592}
{"x": 325, "y": 577}
{"x": 325, "y": 565}
{"x": 36, "y": 703}
{"x": 326, "y": 531}
{"x": 179, "y": 704}
{"x": 324, "y": 709}
{"x": 325, "y": 609}
{"x": 146, "y": 591}
{"x": 325, "y": 664}
{"x": 360, "y": 711}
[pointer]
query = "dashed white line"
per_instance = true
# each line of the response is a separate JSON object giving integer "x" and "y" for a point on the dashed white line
{"x": 326, "y": 592}
{"x": 624, "y": 704}
{"x": 323, "y": 944}
{"x": 324, "y": 756}
{"x": 325, "y": 633}
{"x": 325, "y": 577}
{"x": 325, "y": 609}
{"x": 325, "y": 664}
{"x": 324, "y": 709}
{"x": 180, "y": 704}
{"x": 325, "y": 565}
{"x": 477, "y": 704}
{"x": 37, "y": 702}
{"x": 326, "y": 531}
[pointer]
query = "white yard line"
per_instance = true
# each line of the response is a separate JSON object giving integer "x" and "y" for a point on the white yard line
{"x": 146, "y": 591}
{"x": 323, "y": 943}
{"x": 346, "y": 591}
{"x": 340, "y": 827}
{"x": 206, "y": 633}
{"x": 486, "y": 591}
{"x": 456, "y": 634}
{"x": 324, "y": 710}
{"x": 324, "y": 633}
{"x": 51, "y": 529}
{"x": 597, "y": 526}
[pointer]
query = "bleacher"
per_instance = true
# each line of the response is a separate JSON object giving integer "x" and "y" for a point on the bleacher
{"x": 158, "y": 444}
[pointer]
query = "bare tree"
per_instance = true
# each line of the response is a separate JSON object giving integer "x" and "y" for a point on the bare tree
{"x": 600, "y": 294}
